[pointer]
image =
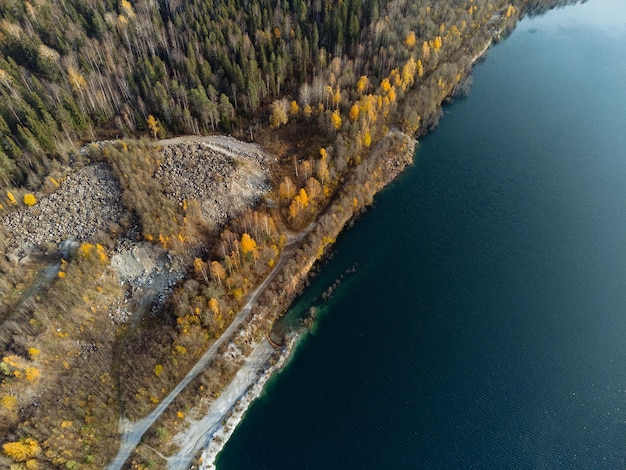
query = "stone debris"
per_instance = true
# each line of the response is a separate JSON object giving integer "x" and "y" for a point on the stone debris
{"x": 225, "y": 175}
{"x": 151, "y": 275}
{"x": 86, "y": 202}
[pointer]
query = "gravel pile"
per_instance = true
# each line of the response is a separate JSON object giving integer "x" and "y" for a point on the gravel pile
{"x": 86, "y": 202}
{"x": 151, "y": 272}
{"x": 226, "y": 176}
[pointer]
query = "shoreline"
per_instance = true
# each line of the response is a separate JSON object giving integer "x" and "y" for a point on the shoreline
{"x": 208, "y": 435}
{"x": 381, "y": 164}
{"x": 239, "y": 408}
{"x": 211, "y": 442}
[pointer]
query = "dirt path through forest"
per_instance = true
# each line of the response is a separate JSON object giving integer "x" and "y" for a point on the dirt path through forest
{"x": 132, "y": 432}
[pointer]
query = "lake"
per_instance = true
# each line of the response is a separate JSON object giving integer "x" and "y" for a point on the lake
{"x": 485, "y": 325}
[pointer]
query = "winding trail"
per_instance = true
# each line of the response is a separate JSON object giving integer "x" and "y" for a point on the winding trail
{"x": 132, "y": 432}
{"x": 42, "y": 280}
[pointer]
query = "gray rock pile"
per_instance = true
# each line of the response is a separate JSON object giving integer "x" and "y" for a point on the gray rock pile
{"x": 225, "y": 175}
{"x": 86, "y": 202}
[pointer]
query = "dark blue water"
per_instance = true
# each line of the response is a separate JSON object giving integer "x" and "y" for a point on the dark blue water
{"x": 486, "y": 324}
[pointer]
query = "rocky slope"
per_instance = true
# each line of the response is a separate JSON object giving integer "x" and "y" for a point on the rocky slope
{"x": 224, "y": 175}
{"x": 86, "y": 202}
{"x": 227, "y": 176}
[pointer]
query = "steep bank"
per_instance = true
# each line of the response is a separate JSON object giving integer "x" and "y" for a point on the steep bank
{"x": 389, "y": 159}
{"x": 218, "y": 417}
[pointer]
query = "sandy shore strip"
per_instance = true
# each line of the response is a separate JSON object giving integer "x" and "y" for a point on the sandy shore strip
{"x": 210, "y": 433}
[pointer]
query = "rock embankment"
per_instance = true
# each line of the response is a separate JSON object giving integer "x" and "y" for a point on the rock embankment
{"x": 86, "y": 202}
{"x": 225, "y": 175}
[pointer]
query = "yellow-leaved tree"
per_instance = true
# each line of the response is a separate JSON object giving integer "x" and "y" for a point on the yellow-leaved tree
{"x": 29, "y": 199}
{"x": 248, "y": 245}
{"x": 361, "y": 85}
{"x": 337, "y": 98}
{"x": 294, "y": 109}
{"x": 214, "y": 305}
{"x": 153, "y": 125}
{"x": 304, "y": 198}
{"x": 217, "y": 271}
{"x": 354, "y": 112}
{"x": 367, "y": 138}
{"x": 410, "y": 39}
{"x": 287, "y": 189}
{"x": 335, "y": 119}
{"x": 408, "y": 73}
{"x": 301, "y": 201}
{"x": 293, "y": 209}
{"x": 199, "y": 268}
{"x": 22, "y": 450}
{"x": 437, "y": 43}
{"x": 77, "y": 81}
{"x": 322, "y": 170}
{"x": 425, "y": 51}
{"x": 278, "y": 115}
{"x": 392, "y": 94}
{"x": 509, "y": 11}
{"x": 11, "y": 198}
{"x": 307, "y": 111}
{"x": 313, "y": 188}
{"x": 128, "y": 9}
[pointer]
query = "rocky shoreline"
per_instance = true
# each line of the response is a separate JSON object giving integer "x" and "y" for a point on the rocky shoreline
{"x": 253, "y": 387}
{"x": 212, "y": 431}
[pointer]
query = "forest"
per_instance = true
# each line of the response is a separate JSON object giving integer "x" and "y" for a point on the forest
{"x": 76, "y": 71}
{"x": 331, "y": 88}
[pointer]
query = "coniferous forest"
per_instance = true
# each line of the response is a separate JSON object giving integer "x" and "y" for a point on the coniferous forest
{"x": 74, "y": 71}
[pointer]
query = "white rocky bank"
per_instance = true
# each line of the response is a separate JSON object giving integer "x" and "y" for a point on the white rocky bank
{"x": 210, "y": 433}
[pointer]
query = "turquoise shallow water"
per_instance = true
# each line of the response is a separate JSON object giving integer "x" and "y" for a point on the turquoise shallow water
{"x": 485, "y": 326}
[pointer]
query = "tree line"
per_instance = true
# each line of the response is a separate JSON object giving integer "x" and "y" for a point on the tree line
{"x": 79, "y": 70}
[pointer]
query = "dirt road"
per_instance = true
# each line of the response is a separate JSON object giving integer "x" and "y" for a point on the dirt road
{"x": 133, "y": 432}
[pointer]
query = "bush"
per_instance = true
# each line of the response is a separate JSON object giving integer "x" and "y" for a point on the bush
{"x": 22, "y": 450}
{"x": 29, "y": 199}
